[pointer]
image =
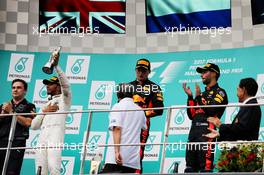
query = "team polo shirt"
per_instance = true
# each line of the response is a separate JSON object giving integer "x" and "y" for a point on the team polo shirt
{"x": 21, "y": 132}
{"x": 131, "y": 123}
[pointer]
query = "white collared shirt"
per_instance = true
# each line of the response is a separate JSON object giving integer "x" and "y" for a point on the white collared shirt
{"x": 131, "y": 123}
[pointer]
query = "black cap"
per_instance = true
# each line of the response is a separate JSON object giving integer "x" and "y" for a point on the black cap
{"x": 144, "y": 63}
{"x": 52, "y": 80}
{"x": 209, "y": 66}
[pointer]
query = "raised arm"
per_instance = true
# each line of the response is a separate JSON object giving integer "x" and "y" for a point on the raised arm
{"x": 65, "y": 85}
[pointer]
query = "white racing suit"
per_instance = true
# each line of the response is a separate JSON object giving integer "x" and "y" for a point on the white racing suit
{"x": 53, "y": 129}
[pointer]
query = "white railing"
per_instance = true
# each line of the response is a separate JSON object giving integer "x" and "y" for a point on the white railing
{"x": 90, "y": 112}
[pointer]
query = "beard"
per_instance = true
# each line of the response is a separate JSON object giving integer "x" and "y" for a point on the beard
{"x": 240, "y": 100}
{"x": 206, "y": 81}
{"x": 50, "y": 93}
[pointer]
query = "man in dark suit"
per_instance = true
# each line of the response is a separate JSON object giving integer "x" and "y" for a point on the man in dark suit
{"x": 246, "y": 124}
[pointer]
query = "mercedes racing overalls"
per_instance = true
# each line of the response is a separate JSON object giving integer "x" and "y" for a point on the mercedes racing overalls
{"x": 148, "y": 95}
{"x": 53, "y": 129}
{"x": 199, "y": 158}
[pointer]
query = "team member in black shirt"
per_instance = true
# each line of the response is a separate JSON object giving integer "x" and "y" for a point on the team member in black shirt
{"x": 147, "y": 94}
{"x": 18, "y": 104}
{"x": 197, "y": 158}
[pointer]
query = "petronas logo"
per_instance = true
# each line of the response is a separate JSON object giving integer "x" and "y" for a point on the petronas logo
{"x": 151, "y": 139}
{"x": 180, "y": 117}
{"x": 77, "y": 66}
{"x": 93, "y": 142}
{"x": 64, "y": 164}
{"x": 101, "y": 92}
{"x": 172, "y": 167}
{"x": 20, "y": 65}
{"x": 69, "y": 118}
{"x": 34, "y": 141}
{"x": 43, "y": 92}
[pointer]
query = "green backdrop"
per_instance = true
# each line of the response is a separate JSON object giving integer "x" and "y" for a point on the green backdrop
{"x": 92, "y": 75}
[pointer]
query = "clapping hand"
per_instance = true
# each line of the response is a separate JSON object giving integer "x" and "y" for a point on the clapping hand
{"x": 197, "y": 90}
{"x": 186, "y": 89}
{"x": 7, "y": 108}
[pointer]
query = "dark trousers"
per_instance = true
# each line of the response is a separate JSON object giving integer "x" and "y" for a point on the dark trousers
{"x": 113, "y": 168}
{"x": 15, "y": 158}
{"x": 199, "y": 158}
{"x": 143, "y": 139}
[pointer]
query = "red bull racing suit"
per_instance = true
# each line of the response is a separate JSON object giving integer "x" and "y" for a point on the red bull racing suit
{"x": 199, "y": 158}
{"x": 148, "y": 95}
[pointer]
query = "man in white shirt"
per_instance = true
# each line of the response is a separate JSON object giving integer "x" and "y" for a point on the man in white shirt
{"x": 124, "y": 128}
{"x": 53, "y": 125}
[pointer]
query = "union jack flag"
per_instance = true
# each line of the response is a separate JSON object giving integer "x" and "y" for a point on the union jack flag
{"x": 87, "y": 16}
